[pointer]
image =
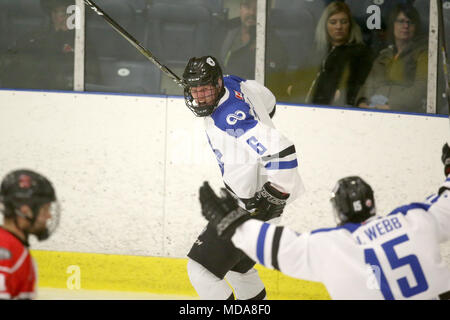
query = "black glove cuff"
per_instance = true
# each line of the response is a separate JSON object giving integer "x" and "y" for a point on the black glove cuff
{"x": 227, "y": 226}
{"x": 446, "y": 158}
{"x": 274, "y": 192}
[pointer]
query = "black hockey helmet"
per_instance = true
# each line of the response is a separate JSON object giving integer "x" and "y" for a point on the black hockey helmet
{"x": 352, "y": 200}
{"x": 26, "y": 187}
{"x": 200, "y": 72}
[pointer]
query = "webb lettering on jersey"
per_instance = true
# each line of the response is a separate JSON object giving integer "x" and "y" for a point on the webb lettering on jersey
{"x": 392, "y": 257}
{"x": 379, "y": 229}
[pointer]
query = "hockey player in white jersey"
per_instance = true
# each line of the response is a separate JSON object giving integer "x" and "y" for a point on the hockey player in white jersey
{"x": 258, "y": 166}
{"x": 365, "y": 257}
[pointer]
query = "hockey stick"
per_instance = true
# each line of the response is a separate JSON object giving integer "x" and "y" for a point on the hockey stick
{"x": 145, "y": 52}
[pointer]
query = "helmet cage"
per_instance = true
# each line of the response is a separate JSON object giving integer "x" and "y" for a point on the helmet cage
{"x": 200, "y": 72}
{"x": 52, "y": 223}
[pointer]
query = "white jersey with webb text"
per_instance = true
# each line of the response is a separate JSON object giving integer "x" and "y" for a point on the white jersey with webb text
{"x": 248, "y": 148}
{"x": 392, "y": 257}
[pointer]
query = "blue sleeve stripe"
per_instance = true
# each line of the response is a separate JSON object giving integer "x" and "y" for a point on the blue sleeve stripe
{"x": 281, "y": 165}
{"x": 351, "y": 227}
{"x": 260, "y": 243}
{"x": 436, "y": 197}
{"x": 404, "y": 209}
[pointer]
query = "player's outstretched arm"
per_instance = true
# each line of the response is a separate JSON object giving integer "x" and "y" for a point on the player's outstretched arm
{"x": 222, "y": 212}
{"x": 446, "y": 159}
{"x": 440, "y": 207}
{"x": 273, "y": 246}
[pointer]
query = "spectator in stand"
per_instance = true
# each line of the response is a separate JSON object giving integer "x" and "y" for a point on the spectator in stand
{"x": 53, "y": 46}
{"x": 398, "y": 79}
{"x": 58, "y": 44}
{"x": 342, "y": 59}
{"x": 237, "y": 46}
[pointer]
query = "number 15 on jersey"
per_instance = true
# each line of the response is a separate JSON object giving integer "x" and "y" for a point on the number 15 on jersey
{"x": 395, "y": 262}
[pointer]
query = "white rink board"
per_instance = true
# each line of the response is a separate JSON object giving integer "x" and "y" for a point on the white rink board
{"x": 128, "y": 168}
{"x": 91, "y": 147}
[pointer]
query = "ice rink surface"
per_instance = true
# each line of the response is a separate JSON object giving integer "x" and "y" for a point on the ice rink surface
{"x": 66, "y": 294}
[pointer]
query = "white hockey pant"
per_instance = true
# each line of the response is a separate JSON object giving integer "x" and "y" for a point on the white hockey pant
{"x": 209, "y": 287}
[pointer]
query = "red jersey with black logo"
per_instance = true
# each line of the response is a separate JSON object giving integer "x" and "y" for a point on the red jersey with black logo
{"x": 17, "y": 268}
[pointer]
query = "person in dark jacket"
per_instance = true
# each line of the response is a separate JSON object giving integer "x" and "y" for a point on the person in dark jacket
{"x": 398, "y": 79}
{"x": 344, "y": 64}
{"x": 236, "y": 45}
{"x": 45, "y": 58}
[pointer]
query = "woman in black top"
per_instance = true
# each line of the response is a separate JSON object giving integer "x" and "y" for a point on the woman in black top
{"x": 344, "y": 61}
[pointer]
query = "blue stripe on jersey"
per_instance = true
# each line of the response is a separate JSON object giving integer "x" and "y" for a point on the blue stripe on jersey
{"x": 351, "y": 227}
{"x": 436, "y": 197}
{"x": 260, "y": 242}
{"x": 404, "y": 209}
{"x": 233, "y": 116}
{"x": 281, "y": 165}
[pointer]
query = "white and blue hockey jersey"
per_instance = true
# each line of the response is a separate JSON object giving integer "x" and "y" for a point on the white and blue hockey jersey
{"x": 392, "y": 257}
{"x": 248, "y": 148}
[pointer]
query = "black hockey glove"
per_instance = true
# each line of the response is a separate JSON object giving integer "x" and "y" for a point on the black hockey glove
{"x": 222, "y": 212}
{"x": 268, "y": 202}
{"x": 446, "y": 159}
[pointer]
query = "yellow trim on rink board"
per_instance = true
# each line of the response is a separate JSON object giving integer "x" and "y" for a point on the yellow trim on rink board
{"x": 152, "y": 274}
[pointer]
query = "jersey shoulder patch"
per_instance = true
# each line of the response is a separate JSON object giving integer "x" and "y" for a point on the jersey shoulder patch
{"x": 10, "y": 248}
{"x": 234, "y": 115}
{"x": 5, "y": 254}
{"x": 234, "y": 118}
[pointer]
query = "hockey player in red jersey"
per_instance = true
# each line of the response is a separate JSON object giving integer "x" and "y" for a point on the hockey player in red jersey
{"x": 29, "y": 207}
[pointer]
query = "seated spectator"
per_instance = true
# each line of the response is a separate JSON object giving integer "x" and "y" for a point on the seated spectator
{"x": 53, "y": 48}
{"x": 398, "y": 79}
{"x": 342, "y": 59}
{"x": 237, "y": 43}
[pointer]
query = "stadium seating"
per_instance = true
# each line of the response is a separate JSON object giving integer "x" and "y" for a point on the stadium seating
{"x": 215, "y": 6}
{"x": 423, "y": 6}
{"x": 178, "y": 31}
{"x": 130, "y": 14}
{"x": 446, "y": 13}
{"x": 22, "y": 17}
{"x": 127, "y": 76}
{"x": 295, "y": 28}
{"x": 315, "y": 7}
{"x": 5, "y": 39}
{"x": 359, "y": 9}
